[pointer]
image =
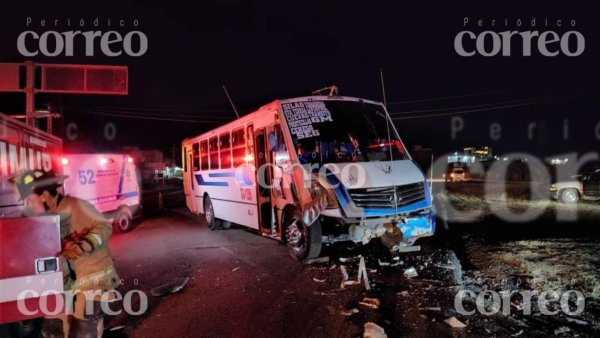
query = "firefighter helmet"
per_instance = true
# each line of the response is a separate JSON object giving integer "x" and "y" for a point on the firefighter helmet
{"x": 31, "y": 181}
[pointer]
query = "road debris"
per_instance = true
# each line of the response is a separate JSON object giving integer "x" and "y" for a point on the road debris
{"x": 373, "y": 303}
{"x": 316, "y": 260}
{"x": 405, "y": 249}
{"x": 349, "y": 259}
{"x": 235, "y": 269}
{"x": 373, "y": 330}
{"x": 169, "y": 288}
{"x": 561, "y": 330}
{"x": 350, "y": 312}
{"x": 577, "y": 321}
{"x": 432, "y": 308}
{"x": 403, "y": 294}
{"x": 344, "y": 275}
{"x": 317, "y": 280}
{"x": 410, "y": 272}
{"x": 383, "y": 263}
{"x": 455, "y": 323}
{"x": 362, "y": 273}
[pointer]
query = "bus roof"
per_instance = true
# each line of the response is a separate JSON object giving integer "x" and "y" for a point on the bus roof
{"x": 271, "y": 105}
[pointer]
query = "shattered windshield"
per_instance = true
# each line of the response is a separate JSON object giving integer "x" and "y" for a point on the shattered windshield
{"x": 341, "y": 131}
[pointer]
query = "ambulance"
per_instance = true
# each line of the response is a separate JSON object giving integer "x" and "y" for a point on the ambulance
{"x": 30, "y": 273}
{"x": 109, "y": 181}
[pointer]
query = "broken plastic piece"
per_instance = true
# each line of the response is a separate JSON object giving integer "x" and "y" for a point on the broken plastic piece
{"x": 316, "y": 260}
{"x": 349, "y": 312}
{"x": 561, "y": 330}
{"x": 410, "y": 272}
{"x": 373, "y": 303}
{"x": 173, "y": 287}
{"x": 431, "y": 308}
{"x": 455, "y": 323}
{"x": 362, "y": 273}
{"x": 373, "y": 330}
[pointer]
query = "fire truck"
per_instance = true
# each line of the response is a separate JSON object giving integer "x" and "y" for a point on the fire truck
{"x": 31, "y": 283}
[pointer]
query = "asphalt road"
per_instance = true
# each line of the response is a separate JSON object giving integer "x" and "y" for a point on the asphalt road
{"x": 244, "y": 285}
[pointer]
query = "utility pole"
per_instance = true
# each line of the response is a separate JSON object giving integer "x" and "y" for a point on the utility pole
{"x": 29, "y": 93}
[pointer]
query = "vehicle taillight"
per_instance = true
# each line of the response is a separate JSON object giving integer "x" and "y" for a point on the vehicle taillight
{"x": 103, "y": 161}
{"x": 130, "y": 160}
{"x": 64, "y": 161}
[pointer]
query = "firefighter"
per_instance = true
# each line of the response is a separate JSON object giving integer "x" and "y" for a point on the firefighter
{"x": 88, "y": 268}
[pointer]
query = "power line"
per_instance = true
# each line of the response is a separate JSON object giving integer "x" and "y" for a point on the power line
{"x": 191, "y": 110}
{"x": 224, "y": 118}
{"x": 146, "y": 117}
{"x": 444, "y": 98}
{"x": 465, "y": 111}
{"x": 461, "y": 107}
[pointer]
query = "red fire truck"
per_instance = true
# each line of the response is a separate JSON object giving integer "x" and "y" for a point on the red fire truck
{"x": 31, "y": 283}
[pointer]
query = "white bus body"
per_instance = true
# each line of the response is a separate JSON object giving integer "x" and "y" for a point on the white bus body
{"x": 108, "y": 181}
{"x": 309, "y": 170}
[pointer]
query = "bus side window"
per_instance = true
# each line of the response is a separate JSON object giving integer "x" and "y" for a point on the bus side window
{"x": 213, "y": 149}
{"x": 238, "y": 147}
{"x": 204, "y": 154}
{"x": 250, "y": 144}
{"x": 196, "y": 156}
{"x": 224, "y": 141}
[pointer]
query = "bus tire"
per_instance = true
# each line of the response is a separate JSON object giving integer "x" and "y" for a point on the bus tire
{"x": 209, "y": 213}
{"x": 303, "y": 242}
{"x": 123, "y": 220}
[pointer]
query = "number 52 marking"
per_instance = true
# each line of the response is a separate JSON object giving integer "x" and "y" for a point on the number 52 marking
{"x": 86, "y": 177}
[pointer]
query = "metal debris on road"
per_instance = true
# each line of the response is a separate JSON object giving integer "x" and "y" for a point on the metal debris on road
{"x": 455, "y": 323}
{"x": 373, "y": 303}
{"x": 373, "y": 330}
{"x": 169, "y": 288}
{"x": 349, "y": 312}
{"x": 410, "y": 272}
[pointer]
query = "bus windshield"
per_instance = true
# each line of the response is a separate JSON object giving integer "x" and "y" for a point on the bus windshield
{"x": 341, "y": 131}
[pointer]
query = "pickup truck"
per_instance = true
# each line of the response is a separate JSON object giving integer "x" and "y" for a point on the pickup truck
{"x": 581, "y": 187}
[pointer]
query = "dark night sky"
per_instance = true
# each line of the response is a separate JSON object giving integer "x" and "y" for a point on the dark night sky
{"x": 263, "y": 51}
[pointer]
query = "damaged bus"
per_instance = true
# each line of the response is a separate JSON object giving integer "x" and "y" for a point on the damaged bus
{"x": 308, "y": 171}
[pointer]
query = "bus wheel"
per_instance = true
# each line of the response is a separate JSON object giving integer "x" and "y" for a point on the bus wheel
{"x": 122, "y": 222}
{"x": 303, "y": 242}
{"x": 209, "y": 213}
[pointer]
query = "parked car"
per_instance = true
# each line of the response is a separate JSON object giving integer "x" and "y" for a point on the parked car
{"x": 456, "y": 175}
{"x": 582, "y": 187}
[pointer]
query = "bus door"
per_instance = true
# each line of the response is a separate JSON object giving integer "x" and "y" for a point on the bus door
{"x": 189, "y": 182}
{"x": 264, "y": 176}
